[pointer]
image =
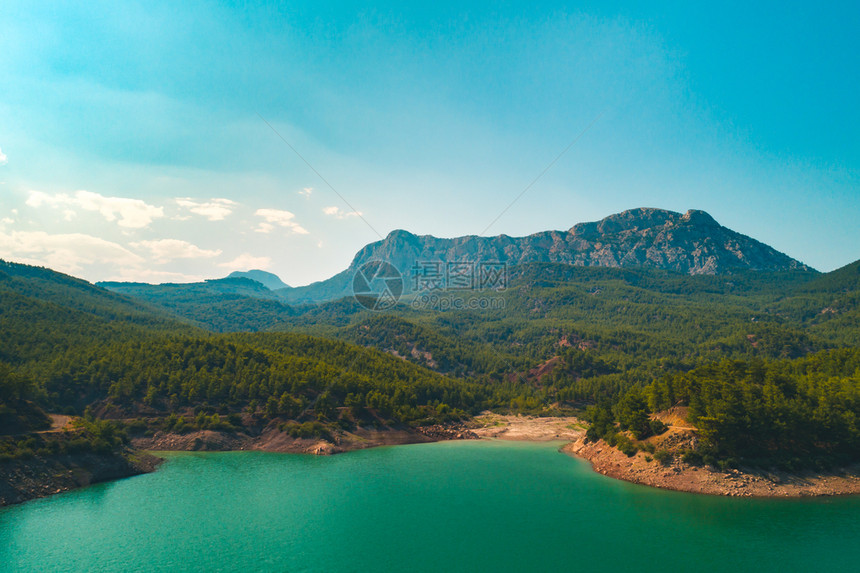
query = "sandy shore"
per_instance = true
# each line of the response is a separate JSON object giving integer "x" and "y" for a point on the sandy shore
{"x": 527, "y": 428}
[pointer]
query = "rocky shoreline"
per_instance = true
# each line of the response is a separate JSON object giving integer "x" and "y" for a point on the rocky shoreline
{"x": 676, "y": 475}
{"x": 271, "y": 439}
{"x": 41, "y": 476}
{"x": 23, "y": 480}
{"x": 679, "y": 476}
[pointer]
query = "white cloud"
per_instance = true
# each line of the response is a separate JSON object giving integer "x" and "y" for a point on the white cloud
{"x": 165, "y": 250}
{"x": 246, "y": 261}
{"x": 214, "y": 209}
{"x": 279, "y": 218}
{"x": 339, "y": 214}
{"x": 306, "y": 191}
{"x": 39, "y": 198}
{"x": 276, "y": 216}
{"x": 132, "y": 213}
{"x": 3, "y": 157}
{"x": 66, "y": 253}
{"x": 7, "y": 221}
{"x": 129, "y": 213}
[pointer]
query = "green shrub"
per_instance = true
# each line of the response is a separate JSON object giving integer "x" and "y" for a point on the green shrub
{"x": 136, "y": 427}
{"x": 692, "y": 457}
{"x": 626, "y": 446}
{"x": 657, "y": 427}
{"x": 306, "y": 430}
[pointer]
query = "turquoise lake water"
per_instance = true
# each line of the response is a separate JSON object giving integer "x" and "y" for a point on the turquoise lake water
{"x": 451, "y": 506}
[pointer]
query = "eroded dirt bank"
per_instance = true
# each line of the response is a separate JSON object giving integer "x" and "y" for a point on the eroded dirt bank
{"x": 273, "y": 440}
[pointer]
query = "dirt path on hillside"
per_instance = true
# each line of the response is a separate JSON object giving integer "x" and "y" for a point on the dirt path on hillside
{"x": 59, "y": 423}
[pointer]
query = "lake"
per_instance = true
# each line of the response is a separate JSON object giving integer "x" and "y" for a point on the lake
{"x": 449, "y": 506}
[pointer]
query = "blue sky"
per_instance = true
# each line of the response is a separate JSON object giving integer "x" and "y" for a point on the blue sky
{"x": 135, "y": 140}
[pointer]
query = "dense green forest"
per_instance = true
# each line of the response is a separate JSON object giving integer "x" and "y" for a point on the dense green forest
{"x": 794, "y": 413}
{"x": 291, "y": 375}
{"x": 800, "y": 410}
{"x": 766, "y": 362}
{"x": 18, "y": 414}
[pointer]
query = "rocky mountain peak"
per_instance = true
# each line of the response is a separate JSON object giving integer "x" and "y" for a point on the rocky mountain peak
{"x": 690, "y": 243}
{"x": 641, "y": 219}
{"x": 700, "y": 218}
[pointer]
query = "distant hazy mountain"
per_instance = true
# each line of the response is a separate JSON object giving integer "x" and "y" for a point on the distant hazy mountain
{"x": 231, "y": 287}
{"x": 691, "y": 243}
{"x": 232, "y": 303}
{"x": 268, "y": 280}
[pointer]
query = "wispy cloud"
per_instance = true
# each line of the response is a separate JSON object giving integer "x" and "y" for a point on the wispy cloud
{"x": 64, "y": 252}
{"x": 129, "y": 213}
{"x": 246, "y": 261}
{"x": 166, "y": 250}
{"x": 339, "y": 213}
{"x": 278, "y": 218}
{"x": 307, "y": 191}
{"x": 214, "y": 209}
{"x": 3, "y": 157}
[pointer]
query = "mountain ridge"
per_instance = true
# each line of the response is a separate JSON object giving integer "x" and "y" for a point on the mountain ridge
{"x": 690, "y": 243}
{"x": 591, "y": 244}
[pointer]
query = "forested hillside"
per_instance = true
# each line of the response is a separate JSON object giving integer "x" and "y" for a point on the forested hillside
{"x": 766, "y": 362}
{"x": 223, "y": 305}
{"x": 73, "y": 348}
